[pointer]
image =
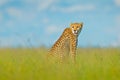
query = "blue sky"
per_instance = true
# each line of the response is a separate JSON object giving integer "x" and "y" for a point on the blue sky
{"x": 41, "y": 22}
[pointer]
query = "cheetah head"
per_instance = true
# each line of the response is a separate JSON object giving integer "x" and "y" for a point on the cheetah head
{"x": 76, "y": 28}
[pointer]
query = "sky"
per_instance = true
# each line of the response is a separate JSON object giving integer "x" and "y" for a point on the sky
{"x": 25, "y": 23}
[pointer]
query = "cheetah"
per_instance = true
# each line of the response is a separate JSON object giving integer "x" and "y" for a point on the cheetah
{"x": 67, "y": 43}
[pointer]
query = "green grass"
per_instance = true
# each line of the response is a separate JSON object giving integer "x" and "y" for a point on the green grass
{"x": 31, "y": 64}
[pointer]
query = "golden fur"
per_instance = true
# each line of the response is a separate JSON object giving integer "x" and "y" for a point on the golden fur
{"x": 67, "y": 43}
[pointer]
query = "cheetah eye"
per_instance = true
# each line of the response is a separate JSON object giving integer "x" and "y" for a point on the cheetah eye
{"x": 77, "y": 27}
{"x": 72, "y": 26}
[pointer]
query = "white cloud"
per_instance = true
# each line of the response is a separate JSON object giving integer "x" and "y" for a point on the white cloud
{"x": 2, "y": 2}
{"x": 40, "y": 5}
{"x": 53, "y": 29}
{"x": 117, "y": 2}
{"x": 74, "y": 8}
{"x": 21, "y": 14}
{"x": 45, "y": 20}
{"x": 45, "y": 4}
{"x": 30, "y": 10}
{"x": 14, "y": 12}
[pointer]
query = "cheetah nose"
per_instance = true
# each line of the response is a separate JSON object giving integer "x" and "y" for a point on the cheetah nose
{"x": 75, "y": 31}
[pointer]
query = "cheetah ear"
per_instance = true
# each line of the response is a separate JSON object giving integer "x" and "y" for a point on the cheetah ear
{"x": 81, "y": 23}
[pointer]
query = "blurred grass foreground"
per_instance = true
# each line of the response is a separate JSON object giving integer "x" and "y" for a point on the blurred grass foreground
{"x": 31, "y": 64}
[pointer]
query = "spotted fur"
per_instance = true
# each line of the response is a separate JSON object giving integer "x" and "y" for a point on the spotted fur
{"x": 67, "y": 43}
